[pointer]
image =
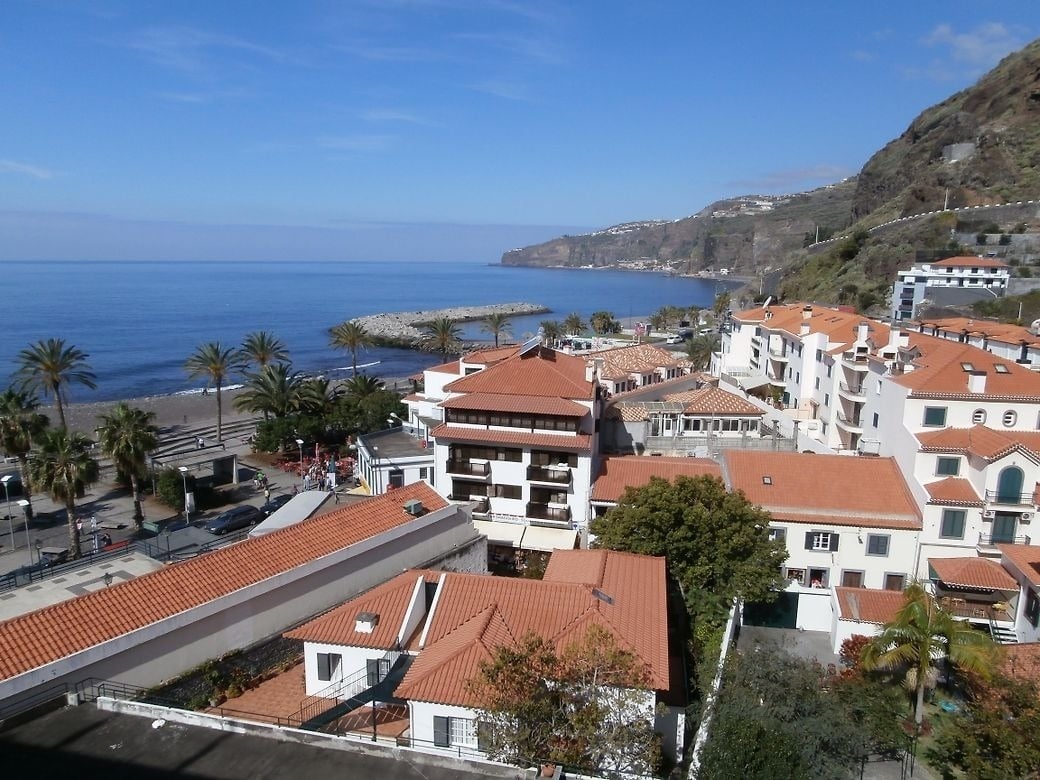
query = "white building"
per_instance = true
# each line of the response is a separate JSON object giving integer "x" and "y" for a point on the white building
{"x": 981, "y": 276}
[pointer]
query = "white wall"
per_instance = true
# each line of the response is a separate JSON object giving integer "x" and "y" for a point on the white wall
{"x": 353, "y": 661}
{"x": 421, "y": 720}
{"x": 814, "y": 609}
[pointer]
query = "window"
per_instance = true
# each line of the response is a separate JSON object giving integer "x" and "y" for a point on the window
{"x": 819, "y": 355}
{"x": 328, "y": 666}
{"x": 1010, "y": 418}
{"x": 947, "y": 467}
{"x": 1032, "y": 607}
{"x": 424, "y": 472}
{"x": 821, "y": 540}
{"x": 826, "y": 399}
{"x": 509, "y": 491}
{"x": 895, "y": 581}
{"x": 875, "y": 420}
{"x": 877, "y": 544}
{"x": 377, "y": 669}
{"x": 935, "y": 416}
{"x": 817, "y": 383}
{"x": 829, "y": 370}
{"x": 852, "y": 579}
{"x": 796, "y": 575}
{"x": 952, "y": 526}
{"x": 448, "y": 732}
{"x": 777, "y": 533}
{"x": 979, "y": 417}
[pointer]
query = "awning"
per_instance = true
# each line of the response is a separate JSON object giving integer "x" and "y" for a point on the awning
{"x": 501, "y": 533}
{"x": 750, "y": 382}
{"x": 548, "y": 539}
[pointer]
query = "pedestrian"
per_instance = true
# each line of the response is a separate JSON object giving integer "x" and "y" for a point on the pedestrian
{"x": 267, "y": 494}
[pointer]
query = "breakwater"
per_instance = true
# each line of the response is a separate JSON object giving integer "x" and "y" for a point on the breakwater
{"x": 405, "y": 328}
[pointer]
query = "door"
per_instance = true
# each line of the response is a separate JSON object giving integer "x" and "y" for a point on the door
{"x": 1004, "y": 527}
{"x": 1009, "y": 485}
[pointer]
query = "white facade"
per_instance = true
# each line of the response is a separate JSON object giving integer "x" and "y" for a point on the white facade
{"x": 911, "y": 287}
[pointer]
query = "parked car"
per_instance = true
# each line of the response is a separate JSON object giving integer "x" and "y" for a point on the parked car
{"x": 234, "y": 519}
{"x": 276, "y": 503}
{"x": 675, "y": 339}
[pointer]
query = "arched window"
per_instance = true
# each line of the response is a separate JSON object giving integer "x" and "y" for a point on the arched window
{"x": 979, "y": 417}
{"x": 1009, "y": 485}
{"x": 1010, "y": 418}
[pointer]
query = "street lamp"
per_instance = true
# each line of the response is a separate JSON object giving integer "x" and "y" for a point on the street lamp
{"x": 299, "y": 443}
{"x": 187, "y": 509}
{"x": 24, "y": 505}
{"x": 7, "y": 494}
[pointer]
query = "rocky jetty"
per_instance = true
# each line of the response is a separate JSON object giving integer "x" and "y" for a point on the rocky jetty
{"x": 405, "y": 328}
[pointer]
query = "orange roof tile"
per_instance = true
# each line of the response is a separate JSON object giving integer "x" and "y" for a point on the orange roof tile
{"x": 519, "y": 404}
{"x": 970, "y": 261}
{"x": 979, "y": 440}
{"x": 451, "y": 367}
{"x": 35, "y": 639}
{"x": 576, "y": 441}
{"x": 620, "y": 362}
{"x": 973, "y": 573}
{"x": 805, "y": 485}
{"x": 491, "y": 354}
{"x": 541, "y": 372}
{"x": 939, "y": 373}
{"x": 839, "y": 326}
{"x": 1024, "y": 558}
{"x": 1005, "y": 333}
{"x": 620, "y": 472}
{"x": 864, "y": 605}
{"x": 714, "y": 400}
{"x": 953, "y": 490}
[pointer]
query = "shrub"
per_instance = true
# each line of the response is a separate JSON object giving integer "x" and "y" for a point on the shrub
{"x": 1005, "y": 239}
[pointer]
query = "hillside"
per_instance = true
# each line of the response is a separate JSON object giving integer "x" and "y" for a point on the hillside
{"x": 980, "y": 146}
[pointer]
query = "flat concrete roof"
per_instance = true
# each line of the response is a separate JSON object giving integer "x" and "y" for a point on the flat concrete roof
{"x": 296, "y": 509}
{"x": 85, "y": 742}
{"x": 395, "y": 443}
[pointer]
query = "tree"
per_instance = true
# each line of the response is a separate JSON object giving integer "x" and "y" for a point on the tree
{"x": 442, "y": 335}
{"x": 921, "y": 632}
{"x": 604, "y": 322}
{"x": 573, "y": 324}
{"x": 551, "y": 331}
{"x": 583, "y": 706}
{"x": 261, "y": 349}
{"x": 61, "y": 465}
{"x": 352, "y": 337}
{"x": 318, "y": 397}
{"x": 216, "y": 364}
{"x": 715, "y": 541}
{"x": 127, "y": 435}
{"x": 274, "y": 390}
{"x": 497, "y": 324}
{"x": 20, "y": 424}
{"x": 699, "y": 350}
{"x": 49, "y": 367}
{"x": 721, "y": 304}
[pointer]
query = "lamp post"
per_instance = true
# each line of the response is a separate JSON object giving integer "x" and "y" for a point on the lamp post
{"x": 184, "y": 478}
{"x": 39, "y": 554}
{"x": 7, "y": 494}
{"x": 24, "y": 506}
{"x": 299, "y": 443}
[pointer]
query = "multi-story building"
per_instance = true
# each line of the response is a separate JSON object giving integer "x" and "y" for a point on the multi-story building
{"x": 953, "y": 280}
{"x": 1011, "y": 342}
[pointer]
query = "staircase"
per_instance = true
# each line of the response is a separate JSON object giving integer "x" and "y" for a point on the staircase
{"x": 1002, "y": 635}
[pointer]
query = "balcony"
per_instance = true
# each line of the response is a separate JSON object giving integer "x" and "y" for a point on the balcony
{"x": 992, "y": 540}
{"x": 778, "y": 355}
{"x": 482, "y": 503}
{"x": 546, "y": 512}
{"x": 978, "y": 610}
{"x": 1009, "y": 499}
{"x": 857, "y": 361}
{"x": 469, "y": 468}
{"x": 552, "y": 476}
{"x": 854, "y": 391}
{"x": 853, "y": 423}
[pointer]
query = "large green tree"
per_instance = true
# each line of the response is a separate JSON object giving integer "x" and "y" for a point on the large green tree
{"x": 61, "y": 465}
{"x": 49, "y": 366}
{"x": 497, "y": 324}
{"x": 20, "y": 423}
{"x": 582, "y": 706}
{"x": 442, "y": 335}
{"x": 604, "y": 322}
{"x": 274, "y": 390}
{"x": 551, "y": 331}
{"x": 921, "y": 632}
{"x": 352, "y": 337}
{"x": 715, "y": 541}
{"x": 216, "y": 363}
{"x": 573, "y": 324}
{"x": 261, "y": 349}
{"x": 699, "y": 350}
{"x": 127, "y": 435}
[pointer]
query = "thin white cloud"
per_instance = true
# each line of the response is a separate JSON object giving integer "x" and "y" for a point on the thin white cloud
{"x": 355, "y": 143}
{"x": 203, "y": 97}
{"x": 536, "y": 49}
{"x": 982, "y": 47}
{"x": 503, "y": 89}
{"x": 185, "y": 48}
{"x": 784, "y": 180}
{"x": 379, "y": 115}
{"x": 390, "y": 53}
{"x": 24, "y": 169}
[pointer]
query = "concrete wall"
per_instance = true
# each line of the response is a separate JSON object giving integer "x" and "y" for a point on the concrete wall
{"x": 814, "y": 609}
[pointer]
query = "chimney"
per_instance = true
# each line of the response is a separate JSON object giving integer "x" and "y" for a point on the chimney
{"x": 807, "y": 311}
{"x": 366, "y": 622}
{"x": 804, "y": 329}
{"x": 590, "y": 371}
{"x": 976, "y": 381}
{"x": 861, "y": 332}
{"x": 413, "y": 507}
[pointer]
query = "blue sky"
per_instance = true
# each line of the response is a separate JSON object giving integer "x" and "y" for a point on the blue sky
{"x": 445, "y": 129}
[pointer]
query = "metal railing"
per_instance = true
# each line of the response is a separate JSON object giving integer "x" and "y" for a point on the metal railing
{"x": 991, "y": 540}
{"x": 469, "y": 468}
{"x": 553, "y": 476}
{"x": 1014, "y": 499}
{"x": 854, "y": 421}
{"x": 546, "y": 512}
{"x": 851, "y": 389}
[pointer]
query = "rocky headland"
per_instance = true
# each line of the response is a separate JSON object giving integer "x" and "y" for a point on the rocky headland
{"x": 405, "y": 328}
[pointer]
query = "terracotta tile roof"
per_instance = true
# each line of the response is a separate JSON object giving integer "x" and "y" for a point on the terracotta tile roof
{"x": 520, "y": 404}
{"x": 806, "y": 485}
{"x": 1022, "y": 661}
{"x": 863, "y": 605}
{"x": 541, "y": 372}
{"x": 939, "y": 373}
{"x": 839, "y": 326}
{"x": 627, "y": 412}
{"x": 33, "y": 640}
{"x": 619, "y": 472}
{"x": 1003, "y": 332}
{"x": 970, "y": 261}
{"x": 621, "y": 362}
{"x": 389, "y": 601}
{"x": 491, "y": 354}
{"x": 714, "y": 400}
{"x": 1024, "y": 558}
{"x": 451, "y": 367}
{"x": 953, "y": 490}
{"x": 581, "y": 442}
{"x": 476, "y": 613}
{"x": 980, "y": 441}
{"x": 973, "y": 573}
{"x": 817, "y": 518}
{"x": 414, "y": 397}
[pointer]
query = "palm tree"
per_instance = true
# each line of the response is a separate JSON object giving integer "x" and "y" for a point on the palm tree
{"x": 20, "y": 424}
{"x": 658, "y": 322}
{"x": 350, "y": 336}
{"x": 49, "y": 366}
{"x": 443, "y": 335}
{"x": 497, "y": 324}
{"x": 262, "y": 348}
{"x": 319, "y": 396}
{"x": 574, "y": 324}
{"x": 274, "y": 390}
{"x": 216, "y": 363}
{"x": 722, "y": 304}
{"x": 699, "y": 350}
{"x": 921, "y": 632}
{"x": 604, "y": 322}
{"x": 551, "y": 331}
{"x": 357, "y": 387}
{"x": 127, "y": 435}
{"x": 61, "y": 465}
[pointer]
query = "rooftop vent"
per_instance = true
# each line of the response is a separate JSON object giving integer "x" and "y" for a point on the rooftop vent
{"x": 366, "y": 622}
{"x": 602, "y": 596}
{"x": 767, "y": 480}
{"x": 413, "y": 507}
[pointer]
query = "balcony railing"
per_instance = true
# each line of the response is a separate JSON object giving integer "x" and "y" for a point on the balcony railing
{"x": 546, "y": 512}
{"x": 857, "y": 360}
{"x": 853, "y": 422}
{"x": 777, "y": 354}
{"x": 552, "y": 476}
{"x": 978, "y": 610}
{"x": 856, "y": 390}
{"x": 1012, "y": 499}
{"x": 469, "y": 468}
{"x": 992, "y": 540}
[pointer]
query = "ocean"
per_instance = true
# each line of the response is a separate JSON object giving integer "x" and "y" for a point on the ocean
{"x": 139, "y": 322}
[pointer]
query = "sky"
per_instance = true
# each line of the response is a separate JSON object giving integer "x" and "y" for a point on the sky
{"x": 445, "y": 129}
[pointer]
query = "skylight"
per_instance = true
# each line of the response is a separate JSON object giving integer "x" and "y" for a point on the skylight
{"x": 967, "y": 366}
{"x": 1000, "y": 368}
{"x": 767, "y": 480}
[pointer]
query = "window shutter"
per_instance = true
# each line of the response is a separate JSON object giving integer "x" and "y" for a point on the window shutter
{"x": 372, "y": 666}
{"x": 441, "y": 729}
{"x": 808, "y": 540}
{"x": 324, "y": 672}
{"x": 834, "y": 542}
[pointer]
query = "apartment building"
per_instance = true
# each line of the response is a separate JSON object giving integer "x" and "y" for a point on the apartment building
{"x": 953, "y": 280}
{"x": 1011, "y": 342}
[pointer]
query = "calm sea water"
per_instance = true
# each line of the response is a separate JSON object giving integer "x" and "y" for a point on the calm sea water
{"x": 140, "y": 321}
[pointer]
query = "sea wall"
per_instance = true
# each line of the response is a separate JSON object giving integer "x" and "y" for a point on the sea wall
{"x": 405, "y": 328}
